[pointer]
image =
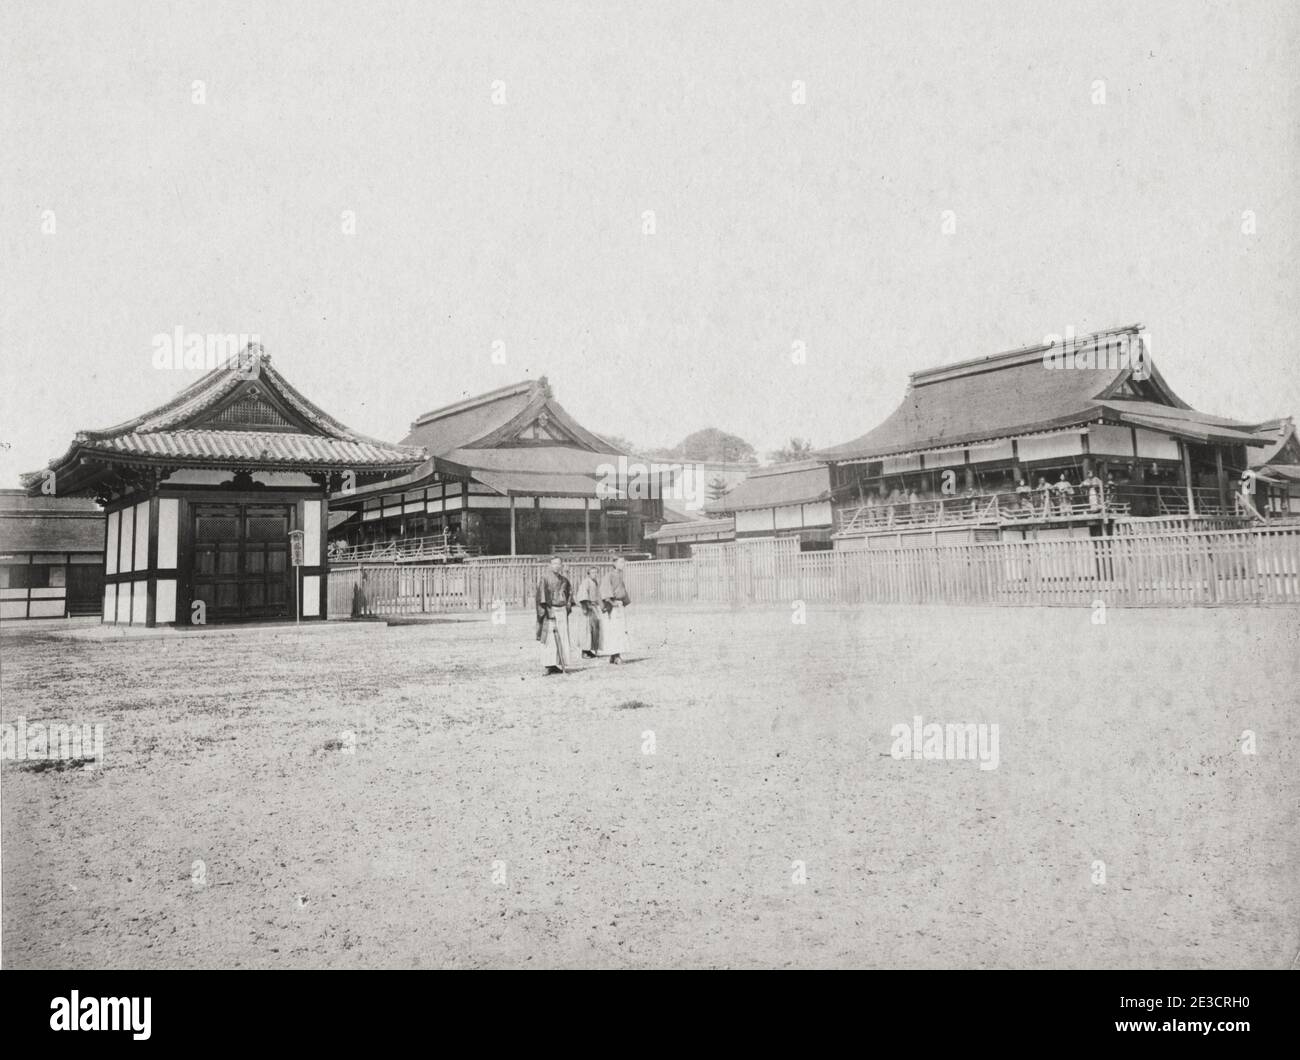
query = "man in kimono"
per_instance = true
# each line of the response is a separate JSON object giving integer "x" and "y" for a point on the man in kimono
{"x": 613, "y": 603}
{"x": 554, "y": 600}
{"x": 588, "y": 597}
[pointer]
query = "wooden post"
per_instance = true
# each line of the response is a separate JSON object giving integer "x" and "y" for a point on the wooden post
{"x": 1187, "y": 477}
{"x": 512, "y": 524}
{"x": 586, "y": 523}
{"x": 1221, "y": 480}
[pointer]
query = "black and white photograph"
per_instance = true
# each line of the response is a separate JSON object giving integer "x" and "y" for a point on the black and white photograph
{"x": 591, "y": 485}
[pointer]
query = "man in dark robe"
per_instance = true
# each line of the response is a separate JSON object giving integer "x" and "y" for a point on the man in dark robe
{"x": 554, "y": 601}
{"x": 588, "y": 598}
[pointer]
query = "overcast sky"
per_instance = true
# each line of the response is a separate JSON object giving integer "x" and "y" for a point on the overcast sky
{"x": 522, "y": 223}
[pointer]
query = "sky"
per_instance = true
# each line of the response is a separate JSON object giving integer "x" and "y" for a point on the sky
{"x": 397, "y": 197}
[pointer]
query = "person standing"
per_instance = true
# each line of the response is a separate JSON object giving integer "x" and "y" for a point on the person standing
{"x": 614, "y": 600}
{"x": 554, "y": 601}
{"x": 588, "y": 598}
{"x": 1064, "y": 494}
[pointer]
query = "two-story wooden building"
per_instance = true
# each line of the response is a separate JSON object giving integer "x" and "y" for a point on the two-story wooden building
{"x": 1053, "y": 440}
{"x": 509, "y": 472}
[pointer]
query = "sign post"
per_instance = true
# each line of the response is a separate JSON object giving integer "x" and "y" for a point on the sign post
{"x": 296, "y": 539}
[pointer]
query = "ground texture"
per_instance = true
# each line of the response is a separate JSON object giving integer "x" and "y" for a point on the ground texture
{"x": 422, "y": 796}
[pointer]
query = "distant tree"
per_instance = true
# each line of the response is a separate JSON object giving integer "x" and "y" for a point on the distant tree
{"x": 711, "y": 445}
{"x": 797, "y": 449}
{"x": 619, "y": 442}
{"x": 717, "y": 488}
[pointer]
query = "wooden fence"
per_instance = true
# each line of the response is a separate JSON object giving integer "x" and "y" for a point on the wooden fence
{"x": 1166, "y": 569}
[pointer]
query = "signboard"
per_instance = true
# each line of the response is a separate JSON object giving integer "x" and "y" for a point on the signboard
{"x": 296, "y": 539}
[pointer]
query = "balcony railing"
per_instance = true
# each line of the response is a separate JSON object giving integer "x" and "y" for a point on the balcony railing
{"x": 1011, "y": 508}
{"x": 403, "y": 550}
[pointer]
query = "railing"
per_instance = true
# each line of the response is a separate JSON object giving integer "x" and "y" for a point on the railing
{"x": 601, "y": 550}
{"x": 1037, "y": 505}
{"x": 401, "y": 550}
{"x": 992, "y": 509}
{"x": 1188, "y": 568}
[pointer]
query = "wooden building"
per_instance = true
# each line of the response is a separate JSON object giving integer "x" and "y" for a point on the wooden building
{"x": 201, "y": 495}
{"x": 784, "y": 500}
{"x": 509, "y": 473}
{"x": 1276, "y": 470}
{"x": 1043, "y": 441}
{"x": 679, "y": 539}
{"x": 51, "y": 556}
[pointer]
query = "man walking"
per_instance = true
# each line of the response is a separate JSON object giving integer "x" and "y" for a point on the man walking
{"x": 554, "y": 600}
{"x": 613, "y": 622}
{"x": 588, "y": 597}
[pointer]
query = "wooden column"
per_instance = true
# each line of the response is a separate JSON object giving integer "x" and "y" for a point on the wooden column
{"x": 512, "y": 524}
{"x": 1221, "y": 479}
{"x": 1187, "y": 476}
{"x": 586, "y": 522}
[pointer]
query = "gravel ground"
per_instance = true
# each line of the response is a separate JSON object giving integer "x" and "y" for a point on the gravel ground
{"x": 423, "y": 797}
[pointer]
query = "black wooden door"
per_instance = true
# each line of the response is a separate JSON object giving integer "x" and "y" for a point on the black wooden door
{"x": 241, "y": 560}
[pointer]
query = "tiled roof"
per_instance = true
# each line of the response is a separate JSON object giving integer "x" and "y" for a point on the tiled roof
{"x": 1015, "y": 393}
{"x": 491, "y": 419}
{"x": 255, "y": 447}
{"x": 1280, "y": 435}
{"x": 50, "y": 524}
{"x": 541, "y": 485}
{"x": 464, "y": 422}
{"x": 772, "y": 487}
{"x": 534, "y": 458}
{"x": 288, "y": 431}
{"x": 695, "y": 530}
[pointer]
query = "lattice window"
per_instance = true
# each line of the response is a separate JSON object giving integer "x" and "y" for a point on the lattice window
{"x": 211, "y": 528}
{"x": 252, "y": 411}
{"x": 267, "y": 528}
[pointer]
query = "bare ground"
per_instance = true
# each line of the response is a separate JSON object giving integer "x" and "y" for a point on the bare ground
{"x": 482, "y": 815}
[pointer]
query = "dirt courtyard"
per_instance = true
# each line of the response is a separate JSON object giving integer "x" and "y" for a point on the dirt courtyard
{"x": 422, "y": 796}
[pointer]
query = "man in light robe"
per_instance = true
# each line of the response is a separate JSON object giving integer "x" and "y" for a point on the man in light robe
{"x": 554, "y": 600}
{"x": 588, "y": 622}
{"x": 614, "y": 601}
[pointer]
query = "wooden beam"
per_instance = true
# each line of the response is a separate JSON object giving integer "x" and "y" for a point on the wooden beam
{"x": 512, "y": 524}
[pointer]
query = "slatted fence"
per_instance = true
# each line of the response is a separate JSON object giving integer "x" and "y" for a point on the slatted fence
{"x": 1167, "y": 569}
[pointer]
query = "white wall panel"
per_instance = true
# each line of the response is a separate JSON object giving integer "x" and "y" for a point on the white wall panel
{"x": 168, "y": 524}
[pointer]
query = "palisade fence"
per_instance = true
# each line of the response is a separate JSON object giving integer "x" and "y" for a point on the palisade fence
{"x": 1258, "y": 565}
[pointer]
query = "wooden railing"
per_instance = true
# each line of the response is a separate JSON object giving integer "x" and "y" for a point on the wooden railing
{"x": 402, "y": 550}
{"x": 1037, "y": 505}
{"x": 1259, "y": 565}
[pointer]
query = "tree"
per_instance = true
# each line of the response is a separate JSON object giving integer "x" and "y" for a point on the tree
{"x": 797, "y": 449}
{"x": 619, "y": 442}
{"x": 717, "y": 488}
{"x": 711, "y": 445}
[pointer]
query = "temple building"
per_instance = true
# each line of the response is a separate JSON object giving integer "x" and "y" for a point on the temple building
{"x": 509, "y": 473}
{"x": 202, "y": 494}
{"x": 1065, "y": 439}
{"x": 51, "y": 556}
{"x": 1277, "y": 470}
